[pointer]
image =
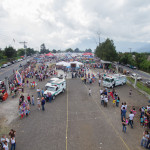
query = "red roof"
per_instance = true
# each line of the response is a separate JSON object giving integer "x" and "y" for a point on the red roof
{"x": 49, "y": 54}
{"x": 87, "y": 54}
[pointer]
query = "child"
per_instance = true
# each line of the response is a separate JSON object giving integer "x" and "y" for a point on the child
{"x": 145, "y": 122}
{"x": 114, "y": 102}
{"x": 142, "y": 121}
{"x": 117, "y": 102}
{"x": 39, "y": 103}
{"x": 124, "y": 125}
{"x": 29, "y": 99}
{"x": 89, "y": 92}
{"x": 32, "y": 100}
{"x": 13, "y": 143}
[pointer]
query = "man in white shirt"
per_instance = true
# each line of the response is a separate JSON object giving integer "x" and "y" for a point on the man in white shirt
{"x": 5, "y": 146}
{"x": 105, "y": 101}
{"x": 99, "y": 82}
{"x": 131, "y": 116}
{"x": 38, "y": 92}
{"x": 102, "y": 99}
{"x": 100, "y": 91}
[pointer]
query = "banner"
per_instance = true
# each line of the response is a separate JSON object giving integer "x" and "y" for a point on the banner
{"x": 18, "y": 78}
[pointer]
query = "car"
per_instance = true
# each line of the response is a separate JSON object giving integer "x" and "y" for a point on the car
{"x": 127, "y": 65}
{"x": 9, "y": 63}
{"x": 132, "y": 67}
{"x": 148, "y": 84}
{"x": 4, "y": 65}
{"x": 133, "y": 76}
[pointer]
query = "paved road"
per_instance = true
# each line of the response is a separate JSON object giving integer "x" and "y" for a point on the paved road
{"x": 140, "y": 73}
{"x": 88, "y": 127}
{"x": 8, "y": 71}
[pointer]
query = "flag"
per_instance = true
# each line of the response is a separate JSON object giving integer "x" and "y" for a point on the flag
{"x": 18, "y": 78}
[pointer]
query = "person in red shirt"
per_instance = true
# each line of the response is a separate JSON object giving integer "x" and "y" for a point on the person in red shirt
{"x": 29, "y": 99}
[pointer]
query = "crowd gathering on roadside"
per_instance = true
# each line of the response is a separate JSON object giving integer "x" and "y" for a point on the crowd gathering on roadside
{"x": 8, "y": 141}
{"x": 106, "y": 96}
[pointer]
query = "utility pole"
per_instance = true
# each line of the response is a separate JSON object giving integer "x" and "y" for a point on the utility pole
{"x": 130, "y": 49}
{"x": 24, "y": 44}
{"x": 99, "y": 37}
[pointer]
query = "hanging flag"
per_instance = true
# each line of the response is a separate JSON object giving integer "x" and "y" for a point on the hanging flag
{"x": 18, "y": 78}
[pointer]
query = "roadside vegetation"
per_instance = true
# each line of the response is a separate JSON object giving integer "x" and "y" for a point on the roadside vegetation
{"x": 10, "y": 54}
{"x": 107, "y": 51}
{"x": 140, "y": 85}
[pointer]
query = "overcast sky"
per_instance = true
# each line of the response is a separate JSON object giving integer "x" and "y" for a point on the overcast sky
{"x": 62, "y": 24}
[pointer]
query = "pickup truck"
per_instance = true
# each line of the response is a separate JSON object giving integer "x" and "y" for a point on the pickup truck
{"x": 133, "y": 76}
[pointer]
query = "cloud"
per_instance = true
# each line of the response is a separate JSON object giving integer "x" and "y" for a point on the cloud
{"x": 63, "y": 24}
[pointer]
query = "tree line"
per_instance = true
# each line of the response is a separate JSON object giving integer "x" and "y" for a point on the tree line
{"x": 107, "y": 51}
{"x": 44, "y": 50}
{"x": 10, "y": 53}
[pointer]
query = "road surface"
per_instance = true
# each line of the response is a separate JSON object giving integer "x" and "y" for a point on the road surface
{"x": 77, "y": 121}
{"x": 8, "y": 71}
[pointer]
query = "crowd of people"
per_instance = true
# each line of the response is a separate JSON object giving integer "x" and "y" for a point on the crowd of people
{"x": 106, "y": 96}
{"x": 8, "y": 141}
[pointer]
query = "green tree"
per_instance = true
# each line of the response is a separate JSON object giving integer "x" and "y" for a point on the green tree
{"x": 21, "y": 52}
{"x": 69, "y": 50}
{"x": 139, "y": 58}
{"x": 54, "y": 51}
{"x": 88, "y": 50}
{"x": 77, "y": 50}
{"x": 106, "y": 51}
{"x": 1, "y": 54}
{"x": 30, "y": 51}
{"x": 43, "y": 49}
{"x": 10, "y": 52}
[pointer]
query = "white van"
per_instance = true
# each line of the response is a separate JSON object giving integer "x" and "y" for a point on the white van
{"x": 50, "y": 82}
{"x": 111, "y": 81}
{"x": 56, "y": 88}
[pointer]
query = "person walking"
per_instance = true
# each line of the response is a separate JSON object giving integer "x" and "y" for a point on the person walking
{"x": 13, "y": 143}
{"x": 99, "y": 82}
{"x": 102, "y": 99}
{"x": 32, "y": 100}
{"x": 39, "y": 103}
{"x": 123, "y": 114}
{"x": 105, "y": 101}
{"x": 124, "y": 125}
{"x": 131, "y": 116}
{"x": 42, "y": 92}
{"x": 29, "y": 99}
{"x": 38, "y": 92}
{"x": 43, "y": 103}
{"x": 89, "y": 92}
{"x": 117, "y": 102}
{"x": 27, "y": 83}
{"x": 145, "y": 139}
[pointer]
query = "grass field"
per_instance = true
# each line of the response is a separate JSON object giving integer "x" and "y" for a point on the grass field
{"x": 140, "y": 85}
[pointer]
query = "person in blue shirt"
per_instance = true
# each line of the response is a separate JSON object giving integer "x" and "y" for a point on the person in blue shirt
{"x": 123, "y": 113}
